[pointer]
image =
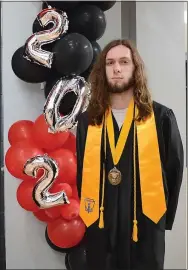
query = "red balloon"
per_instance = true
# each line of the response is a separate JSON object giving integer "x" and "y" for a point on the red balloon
{"x": 66, "y": 234}
{"x": 26, "y": 143}
{"x": 75, "y": 193}
{"x": 17, "y": 155}
{"x": 25, "y": 196}
{"x": 61, "y": 187}
{"x": 42, "y": 216}
{"x": 20, "y": 131}
{"x": 67, "y": 165}
{"x": 70, "y": 143}
{"x": 46, "y": 140}
{"x": 70, "y": 211}
{"x": 53, "y": 212}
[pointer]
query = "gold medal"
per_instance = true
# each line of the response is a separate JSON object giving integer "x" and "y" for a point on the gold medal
{"x": 114, "y": 176}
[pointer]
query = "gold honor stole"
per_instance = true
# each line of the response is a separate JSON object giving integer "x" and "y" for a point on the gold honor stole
{"x": 151, "y": 181}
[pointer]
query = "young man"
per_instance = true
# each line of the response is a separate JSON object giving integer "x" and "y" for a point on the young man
{"x": 130, "y": 165}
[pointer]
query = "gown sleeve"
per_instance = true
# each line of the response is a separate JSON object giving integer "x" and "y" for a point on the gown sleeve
{"x": 174, "y": 164}
{"x": 80, "y": 148}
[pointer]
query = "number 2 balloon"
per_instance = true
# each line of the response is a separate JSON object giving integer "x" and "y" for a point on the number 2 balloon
{"x": 33, "y": 50}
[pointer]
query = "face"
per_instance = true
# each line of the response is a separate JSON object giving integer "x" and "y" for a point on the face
{"x": 119, "y": 69}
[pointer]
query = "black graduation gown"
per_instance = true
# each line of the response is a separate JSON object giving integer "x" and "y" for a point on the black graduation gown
{"x": 112, "y": 248}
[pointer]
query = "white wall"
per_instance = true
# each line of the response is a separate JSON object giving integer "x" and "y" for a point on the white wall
{"x": 25, "y": 242}
{"x": 161, "y": 43}
{"x": 113, "y": 27}
{"x": 26, "y": 247}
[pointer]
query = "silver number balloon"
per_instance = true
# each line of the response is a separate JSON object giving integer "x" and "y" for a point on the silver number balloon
{"x": 56, "y": 122}
{"x": 33, "y": 50}
{"x": 41, "y": 194}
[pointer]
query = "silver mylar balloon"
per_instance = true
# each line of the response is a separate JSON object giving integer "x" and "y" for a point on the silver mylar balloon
{"x": 33, "y": 51}
{"x": 56, "y": 122}
{"x": 41, "y": 194}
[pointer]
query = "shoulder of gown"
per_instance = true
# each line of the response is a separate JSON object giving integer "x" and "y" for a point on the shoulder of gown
{"x": 160, "y": 110}
{"x": 171, "y": 146}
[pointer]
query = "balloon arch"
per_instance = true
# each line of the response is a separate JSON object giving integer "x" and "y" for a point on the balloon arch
{"x": 61, "y": 52}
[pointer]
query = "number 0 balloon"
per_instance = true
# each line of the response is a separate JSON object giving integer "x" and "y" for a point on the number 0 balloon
{"x": 56, "y": 122}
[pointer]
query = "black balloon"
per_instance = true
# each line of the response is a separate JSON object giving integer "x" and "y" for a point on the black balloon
{"x": 86, "y": 74}
{"x": 63, "y": 5}
{"x": 88, "y": 20}
{"x": 68, "y": 102}
{"x": 72, "y": 54}
{"x": 77, "y": 259}
{"x": 104, "y": 5}
{"x": 27, "y": 71}
{"x": 67, "y": 262}
{"x": 96, "y": 51}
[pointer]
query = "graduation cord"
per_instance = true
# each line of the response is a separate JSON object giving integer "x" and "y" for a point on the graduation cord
{"x": 101, "y": 219}
{"x": 135, "y": 222}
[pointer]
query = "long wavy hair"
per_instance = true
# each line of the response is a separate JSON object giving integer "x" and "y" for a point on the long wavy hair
{"x": 100, "y": 97}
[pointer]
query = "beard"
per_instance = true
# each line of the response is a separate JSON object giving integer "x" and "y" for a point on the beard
{"x": 116, "y": 88}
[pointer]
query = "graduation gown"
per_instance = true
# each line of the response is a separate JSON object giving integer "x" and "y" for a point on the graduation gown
{"x": 112, "y": 248}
